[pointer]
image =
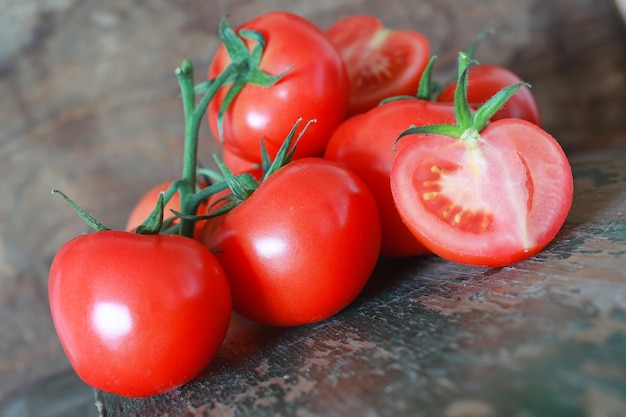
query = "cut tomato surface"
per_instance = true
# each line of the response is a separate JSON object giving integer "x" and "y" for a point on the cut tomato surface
{"x": 490, "y": 200}
{"x": 381, "y": 62}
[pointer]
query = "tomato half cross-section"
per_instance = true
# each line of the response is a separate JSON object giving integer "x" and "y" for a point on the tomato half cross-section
{"x": 490, "y": 198}
{"x": 302, "y": 246}
{"x": 314, "y": 87}
{"x": 138, "y": 315}
{"x": 381, "y": 62}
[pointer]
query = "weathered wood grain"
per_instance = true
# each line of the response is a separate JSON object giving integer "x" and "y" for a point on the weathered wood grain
{"x": 543, "y": 337}
{"x": 88, "y": 104}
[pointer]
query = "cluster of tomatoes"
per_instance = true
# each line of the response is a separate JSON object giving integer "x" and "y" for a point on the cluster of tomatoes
{"x": 388, "y": 165}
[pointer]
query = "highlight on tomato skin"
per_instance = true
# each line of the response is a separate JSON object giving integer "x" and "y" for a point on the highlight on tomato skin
{"x": 381, "y": 62}
{"x": 138, "y": 315}
{"x": 301, "y": 247}
{"x": 492, "y": 204}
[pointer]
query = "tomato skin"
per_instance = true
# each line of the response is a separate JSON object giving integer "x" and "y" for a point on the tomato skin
{"x": 381, "y": 62}
{"x": 302, "y": 246}
{"x": 138, "y": 315}
{"x": 486, "y": 80}
{"x": 491, "y": 205}
{"x": 238, "y": 165}
{"x": 364, "y": 144}
{"x": 148, "y": 201}
{"x": 316, "y": 87}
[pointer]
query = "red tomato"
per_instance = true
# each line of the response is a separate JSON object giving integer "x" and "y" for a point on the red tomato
{"x": 381, "y": 62}
{"x": 239, "y": 165}
{"x": 364, "y": 144}
{"x": 485, "y": 81}
{"x": 490, "y": 201}
{"x": 138, "y": 315}
{"x": 316, "y": 87}
{"x": 148, "y": 201}
{"x": 302, "y": 246}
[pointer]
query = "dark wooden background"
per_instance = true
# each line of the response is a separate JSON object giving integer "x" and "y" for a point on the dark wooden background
{"x": 88, "y": 104}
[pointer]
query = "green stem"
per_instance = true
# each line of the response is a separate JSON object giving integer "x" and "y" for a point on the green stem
{"x": 193, "y": 115}
{"x": 187, "y": 185}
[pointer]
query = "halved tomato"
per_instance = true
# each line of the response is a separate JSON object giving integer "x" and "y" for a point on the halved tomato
{"x": 490, "y": 198}
{"x": 381, "y": 62}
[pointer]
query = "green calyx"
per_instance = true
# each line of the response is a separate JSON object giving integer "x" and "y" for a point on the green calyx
{"x": 243, "y": 69}
{"x": 243, "y": 185}
{"x": 469, "y": 123}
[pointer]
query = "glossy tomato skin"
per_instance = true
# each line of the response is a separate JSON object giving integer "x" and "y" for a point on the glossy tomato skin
{"x": 239, "y": 165}
{"x": 487, "y": 80}
{"x": 147, "y": 203}
{"x": 316, "y": 87}
{"x": 364, "y": 144}
{"x": 138, "y": 315}
{"x": 381, "y": 62}
{"x": 302, "y": 246}
{"x": 492, "y": 204}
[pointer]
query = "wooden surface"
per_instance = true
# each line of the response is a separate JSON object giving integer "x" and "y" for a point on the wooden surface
{"x": 543, "y": 337}
{"x": 88, "y": 104}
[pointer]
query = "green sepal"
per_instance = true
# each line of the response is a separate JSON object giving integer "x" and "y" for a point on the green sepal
{"x": 88, "y": 218}
{"x": 285, "y": 152}
{"x": 241, "y": 186}
{"x": 247, "y": 67}
{"x": 482, "y": 116}
{"x": 462, "y": 109}
{"x": 235, "y": 46}
{"x": 467, "y": 120}
{"x": 425, "y": 87}
{"x": 471, "y": 50}
{"x": 453, "y": 131}
{"x": 152, "y": 225}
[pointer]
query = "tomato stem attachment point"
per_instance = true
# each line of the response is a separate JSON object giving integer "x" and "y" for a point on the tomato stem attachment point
{"x": 469, "y": 123}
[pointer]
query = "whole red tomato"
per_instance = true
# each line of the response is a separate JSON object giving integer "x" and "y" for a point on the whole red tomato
{"x": 485, "y": 81}
{"x": 489, "y": 199}
{"x": 364, "y": 144}
{"x": 316, "y": 87}
{"x": 148, "y": 201}
{"x": 381, "y": 62}
{"x": 138, "y": 315}
{"x": 302, "y": 246}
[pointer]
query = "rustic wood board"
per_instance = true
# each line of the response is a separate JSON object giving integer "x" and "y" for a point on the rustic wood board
{"x": 543, "y": 337}
{"x": 88, "y": 104}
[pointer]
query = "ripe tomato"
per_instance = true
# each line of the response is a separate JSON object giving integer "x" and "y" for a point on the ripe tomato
{"x": 302, "y": 246}
{"x": 364, "y": 144}
{"x": 485, "y": 81}
{"x": 148, "y": 201}
{"x": 138, "y": 315}
{"x": 316, "y": 87}
{"x": 381, "y": 63}
{"x": 239, "y": 165}
{"x": 491, "y": 200}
